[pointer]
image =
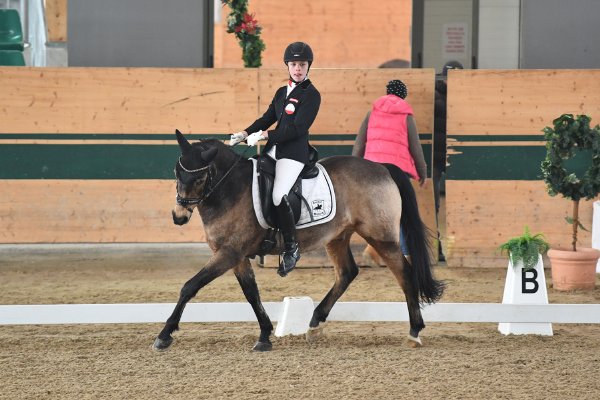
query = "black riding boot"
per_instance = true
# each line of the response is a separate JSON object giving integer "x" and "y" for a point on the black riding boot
{"x": 291, "y": 253}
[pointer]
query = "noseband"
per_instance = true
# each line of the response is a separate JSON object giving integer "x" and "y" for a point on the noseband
{"x": 193, "y": 200}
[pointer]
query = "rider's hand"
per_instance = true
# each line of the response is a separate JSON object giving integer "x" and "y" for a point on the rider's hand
{"x": 252, "y": 139}
{"x": 237, "y": 138}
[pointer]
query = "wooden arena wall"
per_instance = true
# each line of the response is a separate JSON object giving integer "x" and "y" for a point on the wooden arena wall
{"x": 87, "y": 154}
{"x": 496, "y": 145}
{"x": 342, "y": 33}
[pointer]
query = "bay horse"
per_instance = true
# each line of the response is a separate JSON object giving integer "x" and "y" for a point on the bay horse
{"x": 371, "y": 199}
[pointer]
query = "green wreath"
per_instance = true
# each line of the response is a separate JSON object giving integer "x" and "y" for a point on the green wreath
{"x": 569, "y": 136}
{"x": 247, "y": 31}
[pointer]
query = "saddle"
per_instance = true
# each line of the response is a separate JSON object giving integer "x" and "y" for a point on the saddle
{"x": 266, "y": 177}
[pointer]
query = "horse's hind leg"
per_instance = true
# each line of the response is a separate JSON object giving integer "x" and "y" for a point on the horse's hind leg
{"x": 245, "y": 276}
{"x": 219, "y": 263}
{"x": 345, "y": 272}
{"x": 400, "y": 267}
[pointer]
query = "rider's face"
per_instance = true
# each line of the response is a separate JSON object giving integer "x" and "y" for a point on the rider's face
{"x": 298, "y": 70}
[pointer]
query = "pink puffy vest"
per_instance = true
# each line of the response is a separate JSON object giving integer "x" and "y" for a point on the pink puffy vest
{"x": 387, "y": 134}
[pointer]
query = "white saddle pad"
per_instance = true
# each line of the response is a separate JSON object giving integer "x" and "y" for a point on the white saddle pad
{"x": 318, "y": 193}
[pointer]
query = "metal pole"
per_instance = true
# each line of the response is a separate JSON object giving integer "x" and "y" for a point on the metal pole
{"x": 24, "y": 10}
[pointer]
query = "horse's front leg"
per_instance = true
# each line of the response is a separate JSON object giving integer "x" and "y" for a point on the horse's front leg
{"x": 223, "y": 260}
{"x": 245, "y": 276}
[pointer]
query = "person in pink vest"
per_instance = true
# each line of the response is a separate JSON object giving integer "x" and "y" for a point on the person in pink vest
{"x": 389, "y": 134}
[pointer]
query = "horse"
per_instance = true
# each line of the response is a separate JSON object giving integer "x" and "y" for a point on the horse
{"x": 372, "y": 200}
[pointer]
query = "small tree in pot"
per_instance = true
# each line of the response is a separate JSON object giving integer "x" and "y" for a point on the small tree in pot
{"x": 572, "y": 137}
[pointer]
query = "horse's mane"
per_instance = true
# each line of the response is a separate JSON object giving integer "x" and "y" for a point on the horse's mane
{"x": 206, "y": 144}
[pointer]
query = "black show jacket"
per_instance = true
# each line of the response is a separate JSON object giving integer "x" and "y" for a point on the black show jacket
{"x": 294, "y": 114}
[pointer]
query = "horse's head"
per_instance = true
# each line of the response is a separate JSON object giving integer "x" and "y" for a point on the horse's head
{"x": 193, "y": 173}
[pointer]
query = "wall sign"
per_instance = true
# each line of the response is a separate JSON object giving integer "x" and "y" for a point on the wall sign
{"x": 454, "y": 41}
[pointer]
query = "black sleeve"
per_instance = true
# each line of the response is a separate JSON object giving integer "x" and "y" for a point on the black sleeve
{"x": 268, "y": 118}
{"x": 360, "y": 143}
{"x": 302, "y": 121}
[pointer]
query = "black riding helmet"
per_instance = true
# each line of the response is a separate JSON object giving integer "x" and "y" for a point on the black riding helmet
{"x": 298, "y": 51}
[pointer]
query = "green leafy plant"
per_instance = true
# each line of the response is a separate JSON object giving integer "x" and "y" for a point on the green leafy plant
{"x": 525, "y": 248}
{"x": 246, "y": 30}
{"x": 570, "y": 137}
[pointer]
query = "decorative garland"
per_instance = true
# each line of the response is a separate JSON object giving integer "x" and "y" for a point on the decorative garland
{"x": 246, "y": 30}
{"x": 569, "y": 136}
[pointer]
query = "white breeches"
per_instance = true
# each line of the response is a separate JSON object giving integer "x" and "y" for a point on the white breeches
{"x": 286, "y": 173}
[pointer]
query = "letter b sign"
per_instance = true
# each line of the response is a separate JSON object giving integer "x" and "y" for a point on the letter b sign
{"x": 529, "y": 278}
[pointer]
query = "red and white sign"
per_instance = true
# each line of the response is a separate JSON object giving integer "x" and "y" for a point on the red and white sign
{"x": 455, "y": 41}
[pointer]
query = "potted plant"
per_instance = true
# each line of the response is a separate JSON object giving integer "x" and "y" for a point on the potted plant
{"x": 526, "y": 249}
{"x": 572, "y": 138}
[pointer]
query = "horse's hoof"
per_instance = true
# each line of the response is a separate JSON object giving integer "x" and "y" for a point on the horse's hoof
{"x": 414, "y": 342}
{"x": 314, "y": 334}
{"x": 162, "y": 345}
{"x": 263, "y": 346}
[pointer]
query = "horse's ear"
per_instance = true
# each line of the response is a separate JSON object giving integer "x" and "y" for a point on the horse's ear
{"x": 184, "y": 145}
{"x": 208, "y": 155}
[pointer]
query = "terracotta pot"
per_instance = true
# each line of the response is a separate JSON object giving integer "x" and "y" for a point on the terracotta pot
{"x": 574, "y": 269}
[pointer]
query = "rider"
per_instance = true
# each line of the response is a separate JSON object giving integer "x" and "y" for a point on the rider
{"x": 294, "y": 107}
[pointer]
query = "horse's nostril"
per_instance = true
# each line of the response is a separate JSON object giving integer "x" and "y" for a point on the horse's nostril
{"x": 177, "y": 220}
{"x": 180, "y": 221}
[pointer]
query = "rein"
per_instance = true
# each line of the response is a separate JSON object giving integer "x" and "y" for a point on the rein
{"x": 186, "y": 202}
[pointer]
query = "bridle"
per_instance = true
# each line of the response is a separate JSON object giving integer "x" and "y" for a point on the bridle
{"x": 208, "y": 189}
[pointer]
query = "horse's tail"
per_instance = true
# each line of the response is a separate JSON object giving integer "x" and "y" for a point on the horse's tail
{"x": 417, "y": 237}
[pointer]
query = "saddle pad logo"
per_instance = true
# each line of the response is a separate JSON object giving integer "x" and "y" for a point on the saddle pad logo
{"x": 289, "y": 109}
{"x": 318, "y": 208}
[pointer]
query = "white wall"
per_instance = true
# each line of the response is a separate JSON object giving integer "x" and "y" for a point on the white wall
{"x": 441, "y": 14}
{"x": 139, "y": 33}
{"x": 499, "y": 33}
{"x": 560, "y": 34}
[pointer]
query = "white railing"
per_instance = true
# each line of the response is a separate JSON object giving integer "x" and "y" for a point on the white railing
{"x": 343, "y": 311}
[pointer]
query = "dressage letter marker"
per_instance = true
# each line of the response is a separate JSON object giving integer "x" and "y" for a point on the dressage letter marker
{"x": 525, "y": 287}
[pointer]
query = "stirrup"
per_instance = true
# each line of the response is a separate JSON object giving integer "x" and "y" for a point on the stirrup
{"x": 268, "y": 242}
{"x": 288, "y": 261}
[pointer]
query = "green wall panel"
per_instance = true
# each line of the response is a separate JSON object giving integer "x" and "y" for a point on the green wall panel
{"x": 58, "y": 160}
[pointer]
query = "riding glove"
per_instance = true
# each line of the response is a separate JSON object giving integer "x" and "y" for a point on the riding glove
{"x": 237, "y": 138}
{"x": 253, "y": 138}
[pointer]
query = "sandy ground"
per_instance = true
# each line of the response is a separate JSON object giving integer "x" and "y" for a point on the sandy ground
{"x": 213, "y": 361}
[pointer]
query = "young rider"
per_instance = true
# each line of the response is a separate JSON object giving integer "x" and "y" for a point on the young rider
{"x": 294, "y": 108}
